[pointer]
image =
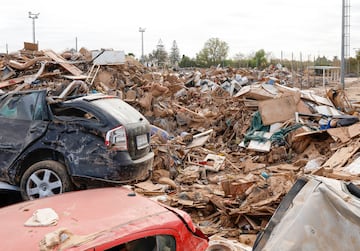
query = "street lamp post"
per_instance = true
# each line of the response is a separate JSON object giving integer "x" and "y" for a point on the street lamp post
{"x": 33, "y": 16}
{"x": 142, "y": 30}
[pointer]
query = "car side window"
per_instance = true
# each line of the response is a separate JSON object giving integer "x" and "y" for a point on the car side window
{"x": 72, "y": 112}
{"x": 20, "y": 106}
{"x": 149, "y": 243}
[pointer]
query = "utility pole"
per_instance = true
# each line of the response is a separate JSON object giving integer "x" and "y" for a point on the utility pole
{"x": 342, "y": 79}
{"x": 33, "y": 16}
{"x": 345, "y": 38}
{"x": 142, "y": 30}
{"x": 301, "y": 70}
{"x": 308, "y": 69}
{"x": 292, "y": 68}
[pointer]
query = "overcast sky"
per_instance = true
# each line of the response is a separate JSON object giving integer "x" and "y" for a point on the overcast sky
{"x": 310, "y": 27}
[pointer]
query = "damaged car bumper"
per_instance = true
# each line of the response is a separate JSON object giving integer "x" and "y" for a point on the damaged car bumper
{"x": 123, "y": 170}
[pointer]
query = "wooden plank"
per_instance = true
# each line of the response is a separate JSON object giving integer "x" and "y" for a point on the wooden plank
{"x": 354, "y": 130}
{"x": 270, "y": 88}
{"x": 188, "y": 110}
{"x": 242, "y": 91}
{"x": 327, "y": 110}
{"x": 27, "y": 64}
{"x": 257, "y": 92}
{"x": 341, "y": 156}
{"x": 277, "y": 110}
{"x": 150, "y": 187}
{"x": 31, "y": 46}
{"x": 315, "y": 98}
{"x": 198, "y": 140}
{"x": 301, "y": 107}
{"x": 339, "y": 133}
{"x": 341, "y": 176}
{"x": 12, "y": 81}
{"x": 62, "y": 61}
{"x": 309, "y": 133}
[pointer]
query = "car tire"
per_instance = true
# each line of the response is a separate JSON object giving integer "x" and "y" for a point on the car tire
{"x": 43, "y": 179}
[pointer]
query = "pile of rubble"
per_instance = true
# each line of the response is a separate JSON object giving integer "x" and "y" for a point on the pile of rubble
{"x": 229, "y": 143}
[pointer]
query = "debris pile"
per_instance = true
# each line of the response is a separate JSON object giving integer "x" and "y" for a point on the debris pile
{"x": 229, "y": 143}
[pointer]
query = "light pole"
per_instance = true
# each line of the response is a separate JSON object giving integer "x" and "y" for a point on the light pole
{"x": 33, "y": 16}
{"x": 142, "y": 30}
{"x": 342, "y": 72}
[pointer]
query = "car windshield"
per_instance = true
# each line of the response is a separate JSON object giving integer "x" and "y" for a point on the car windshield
{"x": 122, "y": 111}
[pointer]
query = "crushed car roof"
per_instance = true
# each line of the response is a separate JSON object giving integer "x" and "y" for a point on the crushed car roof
{"x": 318, "y": 213}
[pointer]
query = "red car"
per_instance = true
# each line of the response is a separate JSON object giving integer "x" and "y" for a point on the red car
{"x": 98, "y": 219}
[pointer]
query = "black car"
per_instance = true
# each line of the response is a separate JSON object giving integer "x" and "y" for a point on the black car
{"x": 50, "y": 146}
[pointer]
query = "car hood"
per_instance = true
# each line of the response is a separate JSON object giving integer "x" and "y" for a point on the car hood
{"x": 111, "y": 213}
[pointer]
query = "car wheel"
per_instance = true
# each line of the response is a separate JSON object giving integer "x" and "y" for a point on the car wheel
{"x": 43, "y": 179}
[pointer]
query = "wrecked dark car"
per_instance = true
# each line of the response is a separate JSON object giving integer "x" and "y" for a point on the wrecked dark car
{"x": 50, "y": 146}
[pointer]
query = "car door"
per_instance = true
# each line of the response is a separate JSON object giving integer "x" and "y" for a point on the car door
{"x": 23, "y": 119}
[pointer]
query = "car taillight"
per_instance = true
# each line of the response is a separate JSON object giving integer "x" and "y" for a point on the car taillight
{"x": 117, "y": 138}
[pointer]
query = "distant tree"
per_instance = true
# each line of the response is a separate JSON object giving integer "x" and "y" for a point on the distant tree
{"x": 131, "y": 54}
{"x": 240, "y": 60}
{"x": 159, "y": 56}
{"x": 228, "y": 63}
{"x": 357, "y": 54}
{"x": 187, "y": 62}
{"x": 259, "y": 59}
{"x": 358, "y": 62}
{"x": 174, "y": 54}
{"x": 239, "y": 56}
{"x": 214, "y": 52}
{"x": 322, "y": 61}
{"x": 146, "y": 60}
{"x": 203, "y": 58}
{"x": 352, "y": 65}
{"x": 336, "y": 61}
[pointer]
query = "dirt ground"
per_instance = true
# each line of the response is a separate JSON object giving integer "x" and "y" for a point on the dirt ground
{"x": 352, "y": 89}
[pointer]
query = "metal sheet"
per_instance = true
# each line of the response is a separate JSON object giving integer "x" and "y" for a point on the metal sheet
{"x": 108, "y": 57}
{"x": 323, "y": 215}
